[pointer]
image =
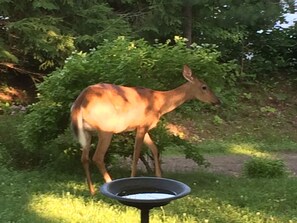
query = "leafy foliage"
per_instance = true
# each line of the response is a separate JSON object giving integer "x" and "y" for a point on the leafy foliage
{"x": 264, "y": 167}
{"x": 42, "y": 40}
{"x": 121, "y": 62}
{"x": 56, "y": 29}
{"x": 273, "y": 51}
{"x": 12, "y": 152}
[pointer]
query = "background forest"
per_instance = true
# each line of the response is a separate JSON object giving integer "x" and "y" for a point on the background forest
{"x": 38, "y": 35}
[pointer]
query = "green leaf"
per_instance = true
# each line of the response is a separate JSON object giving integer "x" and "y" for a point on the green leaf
{"x": 5, "y": 55}
{"x": 45, "y": 4}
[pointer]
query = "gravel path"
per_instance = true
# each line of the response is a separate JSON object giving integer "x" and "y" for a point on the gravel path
{"x": 226, "y": 164}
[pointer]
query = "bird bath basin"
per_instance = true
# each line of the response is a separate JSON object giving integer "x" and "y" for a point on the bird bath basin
{"x": 145, "y": 193}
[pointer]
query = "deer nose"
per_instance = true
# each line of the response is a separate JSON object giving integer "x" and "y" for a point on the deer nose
{"x": 217, "y": 102}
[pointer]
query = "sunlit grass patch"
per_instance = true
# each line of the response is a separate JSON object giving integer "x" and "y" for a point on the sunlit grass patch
{"x": 211, "y": 209}
{"x": 189, "y": 210}
{"x": 247, "y": 149}
{"x": 244, "y": 146}
{"x": 69, "y": 208}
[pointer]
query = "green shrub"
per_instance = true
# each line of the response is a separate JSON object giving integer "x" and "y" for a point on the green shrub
{"x": 134, "y": 63}
{"x": 63, "y": 152}
{"x": 260, "y": 167}
{"x": 12, "y": 152}
{"x": 192, "y": 152}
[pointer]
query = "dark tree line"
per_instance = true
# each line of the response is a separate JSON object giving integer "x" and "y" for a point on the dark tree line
{"x": 37, "y": 36}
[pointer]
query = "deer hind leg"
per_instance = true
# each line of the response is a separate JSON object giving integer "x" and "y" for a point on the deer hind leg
{"x": 85, "y": 160}
{"x": 137, "y": 149}
{"x": 98, "y": 158}
{"x": 151, "y": 145}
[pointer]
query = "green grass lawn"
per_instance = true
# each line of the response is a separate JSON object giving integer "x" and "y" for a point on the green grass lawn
{"x": 47, "y": 196}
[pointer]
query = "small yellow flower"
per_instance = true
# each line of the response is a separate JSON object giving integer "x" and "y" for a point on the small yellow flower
{"x": 121, "y": 38}
{"x": 132, "y": 46}
{"x": 177, "y": 38}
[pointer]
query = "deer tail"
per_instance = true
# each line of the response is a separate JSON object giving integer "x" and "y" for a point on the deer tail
{"x": 77, "y": 125}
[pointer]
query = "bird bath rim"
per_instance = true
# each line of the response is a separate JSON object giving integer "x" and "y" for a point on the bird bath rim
{"x": 119, "y": 188}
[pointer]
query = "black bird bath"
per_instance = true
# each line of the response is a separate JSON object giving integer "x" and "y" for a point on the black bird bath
{"x": 145, "y": 193}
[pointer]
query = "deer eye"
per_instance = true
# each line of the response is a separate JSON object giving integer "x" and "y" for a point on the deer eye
{"x": 204, "y": 87}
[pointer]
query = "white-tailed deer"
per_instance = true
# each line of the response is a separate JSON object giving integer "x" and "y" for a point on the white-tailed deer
{"x": 109, "y": 109}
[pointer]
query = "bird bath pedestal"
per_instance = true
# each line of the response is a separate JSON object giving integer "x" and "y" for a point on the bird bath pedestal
{"x": 145, "y": 193}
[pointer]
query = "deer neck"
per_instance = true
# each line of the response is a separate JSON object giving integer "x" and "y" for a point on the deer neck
{"x": 171, "y": 99}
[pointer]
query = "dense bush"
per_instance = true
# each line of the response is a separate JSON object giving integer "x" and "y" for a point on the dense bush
{"x": 121, "y": 61}
{"x": 12, "y": 152}
{"x": 259, "y": 167}
{"x": 39, "y": 35}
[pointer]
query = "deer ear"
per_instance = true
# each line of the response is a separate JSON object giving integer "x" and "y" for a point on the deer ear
{"x": 187, "y": 73}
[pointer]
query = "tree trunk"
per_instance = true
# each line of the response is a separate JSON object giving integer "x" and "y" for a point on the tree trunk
{"x": 146, "y": 164}
{"x": 188, "y": 22}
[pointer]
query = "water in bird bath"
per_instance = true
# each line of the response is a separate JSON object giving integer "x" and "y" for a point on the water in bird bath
{"x": 149, "y": 196}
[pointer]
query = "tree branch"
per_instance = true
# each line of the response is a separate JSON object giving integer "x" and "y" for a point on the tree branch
{"x": 36, "y": 77}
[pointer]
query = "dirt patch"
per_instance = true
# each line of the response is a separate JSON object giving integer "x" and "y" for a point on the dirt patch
{"x": 225, "y": 164}
{"x": 17, "y": 89}
{"x": 10, "y": 94}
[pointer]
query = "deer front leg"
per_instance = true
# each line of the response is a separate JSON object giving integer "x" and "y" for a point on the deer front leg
{"x": 151, "y": 145}
{"x": 137, "y": 149}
